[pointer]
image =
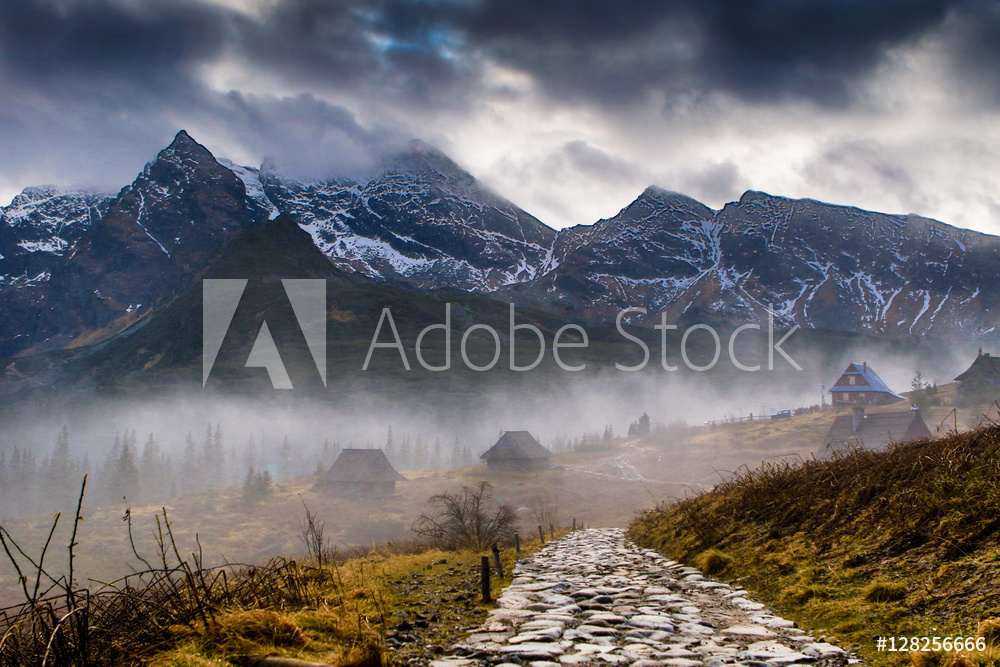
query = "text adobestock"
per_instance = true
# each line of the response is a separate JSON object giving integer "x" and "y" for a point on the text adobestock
{"x": 221, "y": 297}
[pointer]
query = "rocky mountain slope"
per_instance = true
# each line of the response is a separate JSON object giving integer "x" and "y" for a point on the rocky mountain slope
{"x": 131, "y": 252}
{"x": 77, "y": 267}
{"x": 41, "y": 224}
{"x": 812, "y": 264}
{"x": 423, "y": 221}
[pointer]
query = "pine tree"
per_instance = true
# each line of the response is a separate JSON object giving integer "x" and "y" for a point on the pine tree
{"x": 285, "y": 460}
{"x": 59, "y": 472}
{"x": 405, "y": 457}
{"x": 60, "y": 466}
{"x": 214, "y": 458}
{"x": 154, "y": 484}
{"x": 124, "y": 476}
{"x": 255, "y": 485}
{"x": 435, "y": 459}
{"x": 190, "y": 470}
{"x": 390, "y": 447}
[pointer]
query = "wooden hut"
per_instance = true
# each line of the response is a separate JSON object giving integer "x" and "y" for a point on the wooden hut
{"x": 982, "y": 378}
{"x": 360, "y": 472}
{"x": 517, "y": 450}
{"x": 877, "y": 429}
{"x": 861, "y": 385}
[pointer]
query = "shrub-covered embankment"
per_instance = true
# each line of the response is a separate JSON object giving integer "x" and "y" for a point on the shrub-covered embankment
{"x": 904, "y": 541}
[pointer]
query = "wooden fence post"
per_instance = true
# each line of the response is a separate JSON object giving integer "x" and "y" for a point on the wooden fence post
{"x": 485, "y": 575}
{"x": 541, "y": 535}
{"x": 574, "y": 524}
{"x": 517, "y": 544}
{"x": 552, "y": 531}
{"x": 496, "y": 559}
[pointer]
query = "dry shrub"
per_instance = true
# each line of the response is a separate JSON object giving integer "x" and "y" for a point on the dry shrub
{"x": 260, "y": 627}
{"x": 927, "y": 659}
{"x": 797, "y": 594}
{"x": 366, "y": 653}
{"x": 713, "y": 562}
{"x": 990, "y": 631}
{"x": 885, "y": 591}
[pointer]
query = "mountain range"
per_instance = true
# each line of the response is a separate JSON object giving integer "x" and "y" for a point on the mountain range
{"x": 78, "y": 268}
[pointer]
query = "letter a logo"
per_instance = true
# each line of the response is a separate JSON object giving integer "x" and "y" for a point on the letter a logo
{"x": 220, "y": 299}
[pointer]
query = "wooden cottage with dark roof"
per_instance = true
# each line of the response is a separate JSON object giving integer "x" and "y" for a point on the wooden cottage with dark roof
{"x": 517, "y": 450}
{"x": 861, "y": 385}
{"x": 982, "y": 377}
{"x": 360, "y": 472}
{"x": 877, "y": 429}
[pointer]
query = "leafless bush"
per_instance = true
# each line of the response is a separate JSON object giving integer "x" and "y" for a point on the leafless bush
{"x": 545, "y": 508}
{"x": 118, "y": 622}
{"x": 469, "y": 518}
{"x": 311, "y": 534}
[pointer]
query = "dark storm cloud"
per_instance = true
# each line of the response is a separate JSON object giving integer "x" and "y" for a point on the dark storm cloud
{"x": 305, "y": 137}
{"x": 758, "y": 49}
{"x": 115, "y": 78}
{"x": 429, "y": 51}
{"x": 151, "y": 46}
{"x": 106, "y": 83}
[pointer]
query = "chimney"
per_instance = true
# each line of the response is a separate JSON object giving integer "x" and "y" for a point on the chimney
{"x": 864, "y": 367}
{"x": 859, "y": 419}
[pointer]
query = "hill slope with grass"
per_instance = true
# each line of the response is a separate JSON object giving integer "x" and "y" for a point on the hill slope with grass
{"x": 904, "y": 541}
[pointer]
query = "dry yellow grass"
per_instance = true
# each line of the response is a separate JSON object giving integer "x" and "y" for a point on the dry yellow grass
{"x": 900, "y": 542}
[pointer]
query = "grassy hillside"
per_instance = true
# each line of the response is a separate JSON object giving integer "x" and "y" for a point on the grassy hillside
{"x": 904, "y": 541}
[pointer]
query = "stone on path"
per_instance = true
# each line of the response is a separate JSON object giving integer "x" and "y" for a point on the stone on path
{"x": 594, "y": 598}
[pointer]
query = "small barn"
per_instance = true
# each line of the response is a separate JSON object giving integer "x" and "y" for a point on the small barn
{"x": 861, "y": 385}
{"x": 360, "y": 472}
{"x": 517, "y": 450}
{"x": 981, "y": 377}
{"x": 877, "y": 429}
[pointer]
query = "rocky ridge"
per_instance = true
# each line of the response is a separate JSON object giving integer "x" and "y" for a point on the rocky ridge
{"x": 423, "y": 221}
{"x": 77, "y": 267}
{"x": 594, "y": 598}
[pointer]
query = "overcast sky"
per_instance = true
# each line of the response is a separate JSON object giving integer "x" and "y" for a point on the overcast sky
{"x": 570, "y": 108}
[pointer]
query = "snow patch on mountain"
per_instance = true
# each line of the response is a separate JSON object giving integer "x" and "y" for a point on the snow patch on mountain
{"x": 254, "y": 187}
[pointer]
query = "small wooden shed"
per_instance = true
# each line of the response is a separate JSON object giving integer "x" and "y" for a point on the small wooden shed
{"x": 877, "y": 429}
{"x": 981, "y": 378}
{"x": 360, "y": 472}
{"x": 517, "y": 450}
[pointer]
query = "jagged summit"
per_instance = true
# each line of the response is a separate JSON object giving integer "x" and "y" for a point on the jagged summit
{"x": 661, "y": 199}
{"x": 751, "y": 196}
{"x": 72, "y": 263}
{"x": 422, "y": 160}
{"x": 423, "y": 221}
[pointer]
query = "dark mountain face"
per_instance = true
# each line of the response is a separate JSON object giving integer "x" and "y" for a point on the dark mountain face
{"x": 842, "y": 268}
{"x": 647, "y": 254}
{"x": 812, "y": 264}
{"x": 41, "y": 225}
{"x": 79, "y": 267}
{"x": 151, "y": 242}
{"x": 423, "y": 221}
